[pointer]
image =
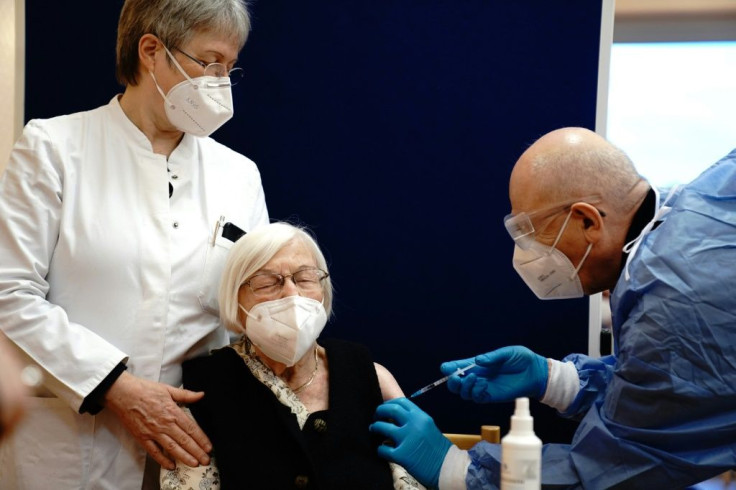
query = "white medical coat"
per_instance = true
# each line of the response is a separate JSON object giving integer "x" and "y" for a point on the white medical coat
{"x": 97, "y": 266}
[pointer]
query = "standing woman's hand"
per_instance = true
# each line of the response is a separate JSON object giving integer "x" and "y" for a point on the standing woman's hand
{"x": 12, "y": 390}
{"x": 150, "y": 411}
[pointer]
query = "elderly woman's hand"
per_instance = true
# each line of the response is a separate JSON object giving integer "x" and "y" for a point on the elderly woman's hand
{"x": 150, "y": 411}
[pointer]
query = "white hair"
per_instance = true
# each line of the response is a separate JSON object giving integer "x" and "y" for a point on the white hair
{"x": 251, "y": 252}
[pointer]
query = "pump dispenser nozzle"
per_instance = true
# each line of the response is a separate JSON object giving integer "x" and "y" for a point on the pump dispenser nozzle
{"x": 522, "y": 421}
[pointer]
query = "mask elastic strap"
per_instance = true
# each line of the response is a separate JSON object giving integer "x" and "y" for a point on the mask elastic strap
{"x": 564, "y": 225}
{"x": 178, "y": 66}
{"x": 590, "y": 247}
{"x": 166, "y": 99}
{"x": 247, "y": 312}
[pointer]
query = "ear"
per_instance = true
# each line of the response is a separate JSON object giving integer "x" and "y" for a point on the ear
{"x": 148, "y": 46}
{"x": 591, "y": 219}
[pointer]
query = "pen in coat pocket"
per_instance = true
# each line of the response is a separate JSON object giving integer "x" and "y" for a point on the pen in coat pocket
{"x": 218, "y": 225}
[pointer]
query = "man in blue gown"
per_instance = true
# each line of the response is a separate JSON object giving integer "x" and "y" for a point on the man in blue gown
{"x": 661, "y": 411}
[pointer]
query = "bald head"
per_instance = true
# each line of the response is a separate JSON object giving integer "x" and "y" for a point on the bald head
{"x": 569, "y": 163}
{"x": 573, "y": 164}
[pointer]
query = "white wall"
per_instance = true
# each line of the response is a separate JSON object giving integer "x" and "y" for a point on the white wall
{"x": 12, "y": 70}
{"x": 672, "y": 107}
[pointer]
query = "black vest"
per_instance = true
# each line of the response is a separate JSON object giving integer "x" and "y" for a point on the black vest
{"x": 257, "y": 440}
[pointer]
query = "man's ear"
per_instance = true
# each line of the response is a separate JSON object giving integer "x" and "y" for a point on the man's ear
{"x": 591, "y": 219}
{"x": 148, "y": 45}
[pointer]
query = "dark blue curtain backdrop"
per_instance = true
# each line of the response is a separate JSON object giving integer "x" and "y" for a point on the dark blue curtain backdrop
{"x": 390, "y": 129}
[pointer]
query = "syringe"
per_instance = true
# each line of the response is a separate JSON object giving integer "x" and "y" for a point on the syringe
{"x": 440, "y": 381}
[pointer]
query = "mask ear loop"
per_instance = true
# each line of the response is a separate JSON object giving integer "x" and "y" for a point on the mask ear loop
{"x": 178, "y": 66}
{"x": 166, "y": 99}
{"x": 564, "y": 225}
{"x": 582, "y": 261}
{"x": 559, "y": 235}
{"x": 181, "y": 70}
{"x": 247, "y": 313}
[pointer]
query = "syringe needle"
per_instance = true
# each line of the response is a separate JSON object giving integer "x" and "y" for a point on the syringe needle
{"x": 440, "y": 381}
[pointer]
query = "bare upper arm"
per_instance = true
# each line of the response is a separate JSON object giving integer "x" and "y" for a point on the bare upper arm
{"x": 389, "y": 387}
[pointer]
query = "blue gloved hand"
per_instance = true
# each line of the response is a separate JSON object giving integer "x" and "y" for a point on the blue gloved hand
{"x": 500, "y": 376}
{"x": 419, "y": 446}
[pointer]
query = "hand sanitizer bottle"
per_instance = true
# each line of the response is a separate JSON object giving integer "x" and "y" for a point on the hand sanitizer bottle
{"x": 521, "y": 452}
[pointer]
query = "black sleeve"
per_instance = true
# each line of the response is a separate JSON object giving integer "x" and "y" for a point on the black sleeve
{"x": 92, "y": 403}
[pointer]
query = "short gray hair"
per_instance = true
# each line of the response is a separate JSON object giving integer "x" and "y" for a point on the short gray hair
{"x": 251, "y": 252}
{"x": 174, "y": 22}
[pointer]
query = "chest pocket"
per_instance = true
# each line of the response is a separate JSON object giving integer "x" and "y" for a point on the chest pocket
{"x": 214, "y": 265}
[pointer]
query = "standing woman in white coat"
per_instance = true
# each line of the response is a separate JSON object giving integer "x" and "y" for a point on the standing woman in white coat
{"x": 114, "y": 226}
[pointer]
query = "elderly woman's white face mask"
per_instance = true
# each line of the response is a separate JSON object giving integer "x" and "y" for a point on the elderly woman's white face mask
{"x": 285, "y": 329}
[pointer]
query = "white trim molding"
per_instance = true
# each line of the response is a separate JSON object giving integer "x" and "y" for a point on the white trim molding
{"x": 12, "y": 74}
{"x": 601, "y": 116}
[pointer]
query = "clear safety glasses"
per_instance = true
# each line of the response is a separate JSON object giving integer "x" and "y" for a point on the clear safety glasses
{"x": 521, "y": 226}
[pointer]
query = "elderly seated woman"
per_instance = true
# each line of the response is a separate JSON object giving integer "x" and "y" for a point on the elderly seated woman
{"x": 282, "y": 410}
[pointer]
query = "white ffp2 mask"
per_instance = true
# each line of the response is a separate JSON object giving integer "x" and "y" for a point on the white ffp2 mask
{"x": 197, "y": 106}
{"x": 547, "y": 271}
{"x": 285, "y": 329}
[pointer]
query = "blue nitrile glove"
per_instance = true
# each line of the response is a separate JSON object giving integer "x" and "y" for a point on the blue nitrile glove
{"x": 500, "y": 376}
{"x": 418, "y": 445}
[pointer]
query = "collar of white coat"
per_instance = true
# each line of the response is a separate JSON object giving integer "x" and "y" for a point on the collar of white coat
{"x": 185, "y": 147}
{"x": 661, "y": 211}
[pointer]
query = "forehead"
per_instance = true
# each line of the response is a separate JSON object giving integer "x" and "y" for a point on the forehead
{"x": 293, "y": 254}
{"x": 524, "y": 197}
{"x": 525, "y": 203}
{"x": 524, "y": 192}
{"x": 213, "y": 42}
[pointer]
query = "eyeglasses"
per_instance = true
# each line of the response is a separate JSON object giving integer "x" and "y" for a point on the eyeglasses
{"x": 217, "y": 69}
{"x": 521, "y": 228}
{"x": 265, "y": 284}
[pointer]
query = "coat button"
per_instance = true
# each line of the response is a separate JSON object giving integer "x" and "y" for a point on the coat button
{"x": 301, "y": 481}
{"x": 175, "y": 224}
{"x": 174, "y": 176}
{"x": 320, "y": 425}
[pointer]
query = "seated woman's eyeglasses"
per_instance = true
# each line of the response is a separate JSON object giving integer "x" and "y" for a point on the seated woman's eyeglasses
{"x": 269, "y": 284}
{"x": 217, "y": 69}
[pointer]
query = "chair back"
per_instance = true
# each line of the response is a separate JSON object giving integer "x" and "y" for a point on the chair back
{"x": 488, "y": 433}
